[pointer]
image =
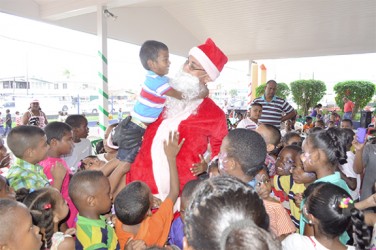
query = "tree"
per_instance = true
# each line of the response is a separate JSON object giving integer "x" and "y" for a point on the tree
{"x": 283, "y": 90}
{"x": 307, "y": 93}
{"x": 359, "y": 92}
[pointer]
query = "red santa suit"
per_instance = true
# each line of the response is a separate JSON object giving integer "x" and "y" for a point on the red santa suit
{"x": 200, "y": 122}
{"x": 206, "y": 125}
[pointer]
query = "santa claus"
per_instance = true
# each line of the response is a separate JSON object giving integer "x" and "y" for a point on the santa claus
{"x": 199, "y": 121}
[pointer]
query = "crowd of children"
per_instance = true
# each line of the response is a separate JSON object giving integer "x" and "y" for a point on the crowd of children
{"x": 308, "y": 189}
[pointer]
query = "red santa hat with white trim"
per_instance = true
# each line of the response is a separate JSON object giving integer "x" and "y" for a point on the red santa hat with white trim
{"x": 211, "y": 58}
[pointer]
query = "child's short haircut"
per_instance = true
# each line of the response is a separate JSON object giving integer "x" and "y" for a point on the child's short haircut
{"x": 308, "y": 118}
{"x": 75, "y": 121}
{"x": 294, "y": 148}
{"x": 84, "y": 183}
{"x": 348, "y": 120}
{"x": 288, "y": 136}
{"x": 56, "y": 130}
{"x": 149, "y": 51}
{"x": 23, "y": 137}
{"x": 132, "y": 203}
{"x": 274, "y": 135}
{"x": 249, "y": 148}
{"x": 256, "y": 104}
{"x": 321, "y": 122}
{"x": 189, "y": 188}
{"x": 6, "y": 219}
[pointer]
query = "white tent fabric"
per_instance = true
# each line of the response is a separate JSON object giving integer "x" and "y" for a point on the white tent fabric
{"x": 244, "y": 29}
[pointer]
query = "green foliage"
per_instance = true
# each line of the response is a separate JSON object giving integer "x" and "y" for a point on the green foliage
{"x": 307, "y": 93}
{"x": 283, "y": 90}
{"x": 359, "y": 92}
{"x": 233, "y": 93}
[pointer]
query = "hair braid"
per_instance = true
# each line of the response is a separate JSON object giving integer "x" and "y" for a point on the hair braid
{"x": 361, "y": 233}
{"x": 41, "y": 204}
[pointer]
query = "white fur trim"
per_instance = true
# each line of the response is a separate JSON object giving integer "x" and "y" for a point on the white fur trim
{"x": 205, "y": 62}
{"x": 161, "y": 169}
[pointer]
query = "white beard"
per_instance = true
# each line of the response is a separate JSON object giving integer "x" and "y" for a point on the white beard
{"x": 190, "y": 87}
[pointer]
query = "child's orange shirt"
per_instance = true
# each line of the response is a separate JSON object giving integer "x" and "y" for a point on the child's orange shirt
{"x": 307, "y": 127}
{"x": 153, "y": 230}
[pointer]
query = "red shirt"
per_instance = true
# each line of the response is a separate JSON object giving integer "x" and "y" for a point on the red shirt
{"x": 348, "y": 107}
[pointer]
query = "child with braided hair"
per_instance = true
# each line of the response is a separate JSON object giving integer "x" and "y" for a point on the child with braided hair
{"x": 48, "y": 208}
{"x": 322, "y": 153}
{"x": 226, "y": 213}
{"x": 330, "y": 210}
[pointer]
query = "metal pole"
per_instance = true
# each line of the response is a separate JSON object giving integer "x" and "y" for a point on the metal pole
{"x": 102, "y": 73}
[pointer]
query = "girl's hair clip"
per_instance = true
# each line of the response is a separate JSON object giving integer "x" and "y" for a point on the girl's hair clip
{"x": 47, "y": 206}
{"x": 345, "y": 202}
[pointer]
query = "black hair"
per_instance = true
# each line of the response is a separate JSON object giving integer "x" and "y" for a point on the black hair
{"x": 84, "y": 183}
{"x": 274, "y": 134}
{"x": 348, "y": 120}
{"x": 75, "y": 121}
{"x": 149, "y": 51}
{"x": 218, "y": 204}
{"x": 188, "y": 189}
{"x": 41, "y": 204}
{"x": 308, "y": 118}
{"x": 56, "y": 130}
{"x": 99, "y": 148}
{"x": 248, "y": 148}
{"x": 323, "y": 201}
{"x": 348, "y": 136}
{"x": 82, "y": 165}
{"x": 332, "y": 142}
{"x": 246, "y": 235}
{"x": 315, "y": 130}
{"x": 23, "y": 137}
{"x": 288, "y": 136}
{"x": 321, "y": 122}
{"x": 270, "y": 81}
{"x": 292, "y": 147}
{"x": 7, "y": 228}
{"x": 318, "y": 105}
{"x": 132, "y": 203}
{"x": 256, "y": 104}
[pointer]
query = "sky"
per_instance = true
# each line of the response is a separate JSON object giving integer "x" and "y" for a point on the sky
{"x": 35, "y": 49}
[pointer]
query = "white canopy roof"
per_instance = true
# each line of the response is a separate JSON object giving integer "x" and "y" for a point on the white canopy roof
{"x": 243, "y": 29}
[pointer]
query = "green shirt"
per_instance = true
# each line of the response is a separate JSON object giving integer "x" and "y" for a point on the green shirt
{"x": 95, "y": 234}
{"x": 336, "y": 180}
{"x": 23, "y": 174}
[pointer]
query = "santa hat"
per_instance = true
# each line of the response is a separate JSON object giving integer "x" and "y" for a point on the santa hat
{"x": 210, "y": 57}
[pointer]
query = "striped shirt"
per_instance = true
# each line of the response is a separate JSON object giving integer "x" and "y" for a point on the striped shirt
{"x": 247, "y": 124}
{"x": 286, "y": 184}
{"x": 26, "y": 175}
{"x": 279, "y": 220}
{"x": 95, "y": 234}
{"x": 272, "y": 111}
{"x": 151, "y": 101}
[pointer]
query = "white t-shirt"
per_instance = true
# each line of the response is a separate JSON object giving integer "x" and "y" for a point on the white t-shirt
{"x": 348, "y": 170}
{"x": 80, "y": 151}
{"x": 297, "y": 241}
{"x": 247, "y": 124}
